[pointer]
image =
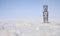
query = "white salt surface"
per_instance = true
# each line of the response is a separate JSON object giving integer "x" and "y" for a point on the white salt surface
{"x": 29, "y": 29}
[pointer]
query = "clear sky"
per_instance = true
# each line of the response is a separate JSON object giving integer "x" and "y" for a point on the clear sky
{"x": 29, "y": 9}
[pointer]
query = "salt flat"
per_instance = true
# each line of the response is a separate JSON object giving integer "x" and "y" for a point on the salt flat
{"x": 29, "y": 28}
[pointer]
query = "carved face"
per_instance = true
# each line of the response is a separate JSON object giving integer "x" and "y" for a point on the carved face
{"x": 45, "y": 8}
{"x": 45, "y": 13}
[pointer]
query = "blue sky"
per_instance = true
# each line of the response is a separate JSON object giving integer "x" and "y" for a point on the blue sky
{"x": 29, "y": 9}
